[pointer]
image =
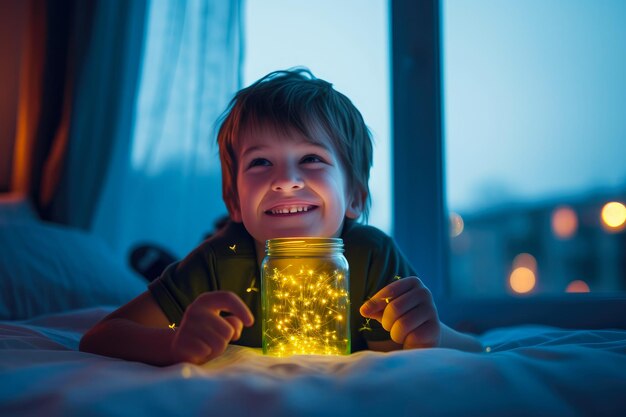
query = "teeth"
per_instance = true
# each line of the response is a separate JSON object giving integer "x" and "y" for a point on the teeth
{"x": 292, "y": 209}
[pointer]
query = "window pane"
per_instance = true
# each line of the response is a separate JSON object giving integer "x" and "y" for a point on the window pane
{"x": 344, "y": 42}
{"x": 535, "y": 135}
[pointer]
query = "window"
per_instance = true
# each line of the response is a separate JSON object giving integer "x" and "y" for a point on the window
{"x": 504, "y": 93}
{"x": 342, "y": 42}
{"x": 534, "y": 146}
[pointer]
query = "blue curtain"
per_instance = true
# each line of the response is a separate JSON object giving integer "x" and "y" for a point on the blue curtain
{"x": 163, "y": 185}
{"x": 105, "y": 86}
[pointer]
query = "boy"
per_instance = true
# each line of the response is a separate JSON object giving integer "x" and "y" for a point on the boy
{"x": 295, "y": 157}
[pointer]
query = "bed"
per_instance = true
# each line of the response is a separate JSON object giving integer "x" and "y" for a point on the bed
{"x": 57, "y": 282}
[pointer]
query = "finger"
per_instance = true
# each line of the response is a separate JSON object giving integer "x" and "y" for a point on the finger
{"x": 220, "y": 326}
{"x": 209, "y": 329}
{"x": 427, "y": 335}
{"x": 400, "y": 306}
{"x": 197, "y": 320}
{"x": 227, "y": 301}
{"x": 409, "y": 322}
{"x": 192, "y": 350}
{"x": 237, "y": 326}
{"x": 378, "y": 302}
{"x": 217, "y": 344}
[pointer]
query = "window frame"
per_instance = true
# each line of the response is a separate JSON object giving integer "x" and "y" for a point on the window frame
{"x": 419, "y": 210}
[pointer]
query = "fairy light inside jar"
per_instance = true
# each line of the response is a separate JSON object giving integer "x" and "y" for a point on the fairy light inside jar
{"x": 305, "y": 292}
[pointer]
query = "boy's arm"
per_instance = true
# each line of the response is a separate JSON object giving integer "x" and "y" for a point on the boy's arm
{"x": 449, "y": 338}
{"x": 453, "y": 339}
{"x": 139, "y": 330}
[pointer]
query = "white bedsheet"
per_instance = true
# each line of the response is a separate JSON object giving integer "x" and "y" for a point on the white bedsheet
{"x": 529, "y": 371}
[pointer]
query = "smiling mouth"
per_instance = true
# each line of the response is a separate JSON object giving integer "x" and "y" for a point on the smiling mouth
{"x": 289, "y": 210}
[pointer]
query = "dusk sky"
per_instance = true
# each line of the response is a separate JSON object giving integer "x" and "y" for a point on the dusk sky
{"x": 534, "y": 91}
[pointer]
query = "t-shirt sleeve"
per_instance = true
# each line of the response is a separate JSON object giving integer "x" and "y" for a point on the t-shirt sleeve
{"x": 183, "y": 281}
{"x": 387, "y": 264}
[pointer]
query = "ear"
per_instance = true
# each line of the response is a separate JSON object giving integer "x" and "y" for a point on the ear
{"x": 355, "y": 206}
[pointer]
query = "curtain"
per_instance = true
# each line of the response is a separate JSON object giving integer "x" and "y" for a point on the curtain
{"x": 163, "y": 185}
{"x": 45, "y": 32}
{"x": 104, "y": 93}
{"x": 15, "y": 38}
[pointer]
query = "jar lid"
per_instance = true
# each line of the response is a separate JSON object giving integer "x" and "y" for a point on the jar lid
{"x": 303, "y": 246}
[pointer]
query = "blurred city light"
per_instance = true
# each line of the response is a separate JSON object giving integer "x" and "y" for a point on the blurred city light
{"x": 522, "y": 280}
{"x": 613, "y": 216}
{"x": 525, "y": 260}
{"x": 564, "y": 222}
{"x": 577, "y": 286}
{"x": 456, "y": 224}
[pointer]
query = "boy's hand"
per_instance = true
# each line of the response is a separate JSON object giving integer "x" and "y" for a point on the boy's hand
{"x": 203, "y": 333}
{"x": 406, "y": 309}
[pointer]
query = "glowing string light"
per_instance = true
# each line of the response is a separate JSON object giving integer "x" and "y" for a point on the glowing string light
{"x": 307, "y": 311}
{"x": 233, "y": 248}
{"x": 172, "y": 326}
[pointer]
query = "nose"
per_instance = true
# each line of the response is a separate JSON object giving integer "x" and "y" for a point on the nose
{"x": 287, "y": 179}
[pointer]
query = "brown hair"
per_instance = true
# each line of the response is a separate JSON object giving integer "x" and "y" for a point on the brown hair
{"x": 296, "y": 99}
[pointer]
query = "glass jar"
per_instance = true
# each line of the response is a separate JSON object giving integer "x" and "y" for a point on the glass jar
{"x": 305, "y": 297}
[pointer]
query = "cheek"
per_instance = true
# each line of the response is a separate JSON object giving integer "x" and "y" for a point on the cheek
{"x": 250, "y": 189}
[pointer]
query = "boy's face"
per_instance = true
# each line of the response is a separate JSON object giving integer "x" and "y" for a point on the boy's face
{"x": 289, "y": 186}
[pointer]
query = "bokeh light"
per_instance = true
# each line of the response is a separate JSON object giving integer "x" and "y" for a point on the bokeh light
{"x": 577, "y": 286}
{"x": 525, "y": 260}
{"x": 613, "y": 216}
{"x": 564, "y": 222}
{"x": 522, "y": 280}
{"x": 456, "y": 224}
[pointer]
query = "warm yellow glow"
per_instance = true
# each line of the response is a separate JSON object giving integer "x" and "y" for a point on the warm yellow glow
{"x": 564, "y": 222}
{"x": 577, "y": 286}
{"x": 522, "y": 280}
{"x": 306, "y": 311}
{"x": 456, "y": 224}
{"x": 525, "y": 260}
{"x": 186, "y": 372}
{"x": 614, "y": 216}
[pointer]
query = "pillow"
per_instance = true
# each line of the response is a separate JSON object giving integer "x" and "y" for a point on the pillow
{"x": 15, "y": 207}
{"x": 47, "y": 268}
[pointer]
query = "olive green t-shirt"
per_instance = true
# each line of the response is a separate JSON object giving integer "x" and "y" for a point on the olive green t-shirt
{"x": 227, "y": 261}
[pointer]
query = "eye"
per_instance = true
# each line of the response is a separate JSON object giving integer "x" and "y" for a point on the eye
{"x": 259, "y": 162}
{"x": 311, "y": 159}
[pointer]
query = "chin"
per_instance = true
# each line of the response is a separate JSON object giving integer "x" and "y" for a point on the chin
{"x": 293, "y": 232}
{"x": 309, "y": 231}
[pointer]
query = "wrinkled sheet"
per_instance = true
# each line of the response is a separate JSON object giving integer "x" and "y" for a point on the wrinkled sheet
{"x": 526, "y": 371}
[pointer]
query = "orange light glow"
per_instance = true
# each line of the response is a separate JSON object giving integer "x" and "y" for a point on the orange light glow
{"x": 577, "y": 286}
{"x": 30, "y": 96}
{"x": 522, "y": 280}
{"x": 564, "y": 222}
{"x": 613, "y": 216}
{"x": 525, "y": 260}
{"x": 456, "y": 224}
